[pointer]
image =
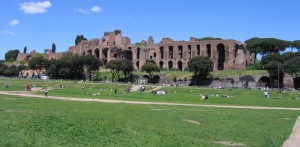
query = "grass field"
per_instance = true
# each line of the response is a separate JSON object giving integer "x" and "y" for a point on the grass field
{"x": 189, "y": 95}
{"x": 45, "y": 122}
{"x": 182, "y": 74}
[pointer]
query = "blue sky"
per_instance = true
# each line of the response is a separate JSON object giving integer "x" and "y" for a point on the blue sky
{"x": 39, "y": 23}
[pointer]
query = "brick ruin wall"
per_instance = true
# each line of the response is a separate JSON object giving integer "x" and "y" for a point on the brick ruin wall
{"x": 168, "y": 54}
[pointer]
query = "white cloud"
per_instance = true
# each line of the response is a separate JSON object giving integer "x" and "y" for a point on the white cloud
{"x": 8, "y": 33}
{"x": 35, "y": 7}
{"x": 14, "y": 22}
{"x": 94, "y": 9}
{"x": 85, "y": 11}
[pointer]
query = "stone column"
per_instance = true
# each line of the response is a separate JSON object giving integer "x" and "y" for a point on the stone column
{"x": 203, "y": 50}
{"x": 214, "y": 55}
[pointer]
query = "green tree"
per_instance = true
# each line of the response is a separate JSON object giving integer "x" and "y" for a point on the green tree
{"x": 52, "y": 68}
{"x": 273, "y": 67}
{"x": 200, "y": 66}
{"x": 64, "y": 64}
{"x": 25, "y": 50}
{"x": 295, "y": 44}
{"x": 127, "y": 69}
{"x": 53, "y": 48}
{"x": 3, "y": 67}
{"x": 289, "y": 55}
{"x": 11, "y": 71}
{"x": 37, "y": 62}
{"x": 115, "y": 66}
{"x": 64, "y": 72}
{"x": 79, "y": 38}
{"x": 208, "y": 38}
{"x": 150, "y": 67}
{"x": 76, "y": 65}
{"x": 92, "y": 65}
{"x": 271, "y": 57}
{"x": 265, "y": 46}
{"x": 11, "y": 55}
{"x": 51, "y": 71}
{"x": 292, "y": 67}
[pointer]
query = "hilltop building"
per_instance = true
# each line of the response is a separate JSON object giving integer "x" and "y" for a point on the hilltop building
{"x": 168, "y": 54}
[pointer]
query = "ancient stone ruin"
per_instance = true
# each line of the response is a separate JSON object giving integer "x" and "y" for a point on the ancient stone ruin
{"x": 168, "y": 54}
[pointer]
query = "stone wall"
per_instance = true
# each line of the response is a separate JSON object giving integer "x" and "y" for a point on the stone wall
{"x": 168, "y": 54}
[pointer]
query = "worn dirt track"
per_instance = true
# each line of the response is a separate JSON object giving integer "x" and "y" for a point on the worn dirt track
{"x": 293, "y": 141}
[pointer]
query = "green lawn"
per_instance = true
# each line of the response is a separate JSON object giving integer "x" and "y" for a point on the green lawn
{"x": 45, "y": 122}
{"x": 176, "y": 95}
{"x": 182, "y": 74}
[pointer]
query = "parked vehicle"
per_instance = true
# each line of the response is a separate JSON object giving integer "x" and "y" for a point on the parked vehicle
{"x": 44, "y": 77}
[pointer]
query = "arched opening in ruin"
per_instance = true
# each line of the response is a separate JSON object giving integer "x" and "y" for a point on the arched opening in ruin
{"x": 245, "y": 80}
{"x": 138, "y": 53}
{"x": 297, "y": 82}
{"x": 127, "y": 54}
{"x": 180, "y": 51}
{"x": 154, "y": 55}
{"x": 137, "y": 65}
{"x": 221, "y": 56}
{"x": 179, "y": 65}
{"x": 198, "y": 49}
{"x": 89, "y": 52}
{"x": 208, "y": 49}
{"x": 104, "y": 61}
{"x": 161, "y": 65}
{"x": 170, "y": 65}
{"x": 264, "y": 81}
{"x": 105, "y": 52}
{"x": 115, "y": 55}
{"x": 97, "y": 53}
{"x": 190, "y": 51}
{"x": 161, "y": 49}
{"x": 171, "y": 52}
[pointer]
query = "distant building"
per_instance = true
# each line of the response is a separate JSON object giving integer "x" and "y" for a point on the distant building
{"x": 168, "y": 54}
{"x": 48, "y": 54}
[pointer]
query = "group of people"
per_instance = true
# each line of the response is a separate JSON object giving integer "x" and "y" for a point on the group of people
{"x": 160, "y": 92}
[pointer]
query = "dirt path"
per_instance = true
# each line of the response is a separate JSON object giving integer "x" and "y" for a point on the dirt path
{"x": 293, "y": 141}
{"x": 27, "y": 94}
{"x": 136, "y": 87}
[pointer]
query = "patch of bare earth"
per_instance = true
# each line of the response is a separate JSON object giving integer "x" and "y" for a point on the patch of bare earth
{"x": 294, "y": 139}
{"x": 230, "y": 143}
{"x": 158, "y": 109}
{"x": 192, "y": 121}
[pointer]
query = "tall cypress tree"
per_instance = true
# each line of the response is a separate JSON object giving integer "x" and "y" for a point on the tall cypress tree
{"x": 25, "y": 50}
{"x": 53, "y": 48}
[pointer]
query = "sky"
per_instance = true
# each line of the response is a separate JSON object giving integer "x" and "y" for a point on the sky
{"x": 37, "y": 24}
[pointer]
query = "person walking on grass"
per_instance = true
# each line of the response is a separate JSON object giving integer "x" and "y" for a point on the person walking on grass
{"x": 116, "y": 91}
{"x": 46, "y": 92}
{"x": 266, "y": 94}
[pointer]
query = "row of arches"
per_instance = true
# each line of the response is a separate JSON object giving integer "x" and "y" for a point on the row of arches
{"x": 170, "y": 65}
{"x": 219, "y": 58}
